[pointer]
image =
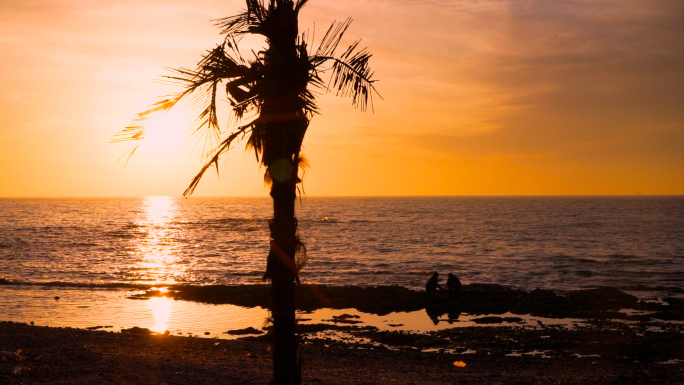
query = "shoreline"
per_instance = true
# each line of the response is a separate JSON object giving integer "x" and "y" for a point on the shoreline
{"x": 387, "y": 298}
{"x": 612, "y": 344}
{"x": 474, "y": 299}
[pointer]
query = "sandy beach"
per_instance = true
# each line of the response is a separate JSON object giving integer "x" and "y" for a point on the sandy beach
{"x": 602, "y": 351}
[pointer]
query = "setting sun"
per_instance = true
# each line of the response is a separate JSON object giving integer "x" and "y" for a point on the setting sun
{"x": 166, "y": 135}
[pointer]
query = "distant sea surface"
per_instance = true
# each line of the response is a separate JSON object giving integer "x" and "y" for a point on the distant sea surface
{"x": 528, "y": 242}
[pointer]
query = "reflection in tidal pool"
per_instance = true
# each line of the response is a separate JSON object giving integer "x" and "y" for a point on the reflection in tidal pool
{"x": 81, "y": 308}
{"x": 161, "y": 310}
{"x": 104, "y": 307}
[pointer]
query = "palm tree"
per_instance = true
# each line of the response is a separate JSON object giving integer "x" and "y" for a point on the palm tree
{"x": 275, "y": 89}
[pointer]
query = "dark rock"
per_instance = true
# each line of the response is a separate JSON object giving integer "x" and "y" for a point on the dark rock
{"x": 603, "y": 298}
{"x": 497, "y": 320}
{"x": 240, "y": 295}
{"x": 541, "y": 302}
{"x": 488, "y": 320}
{"x": 673, "y": 312}
{"x": 472, "y": 299}
{"x": 379, "y": 300}
{"x": 513, "y": 319}
{"x": 239, "y": 332}
{"x": 490, "y": 287}
{"x": 138, "y": 331}
{"x": 486, "y": 299}
{"x": 346, "y": 319}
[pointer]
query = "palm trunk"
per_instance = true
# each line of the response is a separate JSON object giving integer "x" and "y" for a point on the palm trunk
{"x": 286, "y": 125}
{"x": 282, "y": 272}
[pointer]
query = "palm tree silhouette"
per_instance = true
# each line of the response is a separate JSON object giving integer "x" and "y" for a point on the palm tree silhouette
{"x": 273, "y": 88}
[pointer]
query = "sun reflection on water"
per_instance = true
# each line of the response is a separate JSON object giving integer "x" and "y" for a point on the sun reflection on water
{"x": 159, "y": 210}
{"x": 159, "y": 250}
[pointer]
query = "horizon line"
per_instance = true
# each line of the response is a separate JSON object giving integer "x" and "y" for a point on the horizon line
{"x": 342, "y": 196}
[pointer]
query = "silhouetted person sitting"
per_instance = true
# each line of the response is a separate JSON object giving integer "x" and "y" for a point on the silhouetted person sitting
{"x": 453, "y": 284}
{"x": 433, "y": 284}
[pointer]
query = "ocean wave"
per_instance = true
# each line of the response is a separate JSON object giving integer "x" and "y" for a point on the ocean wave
{"x": 81, "y": 244}
{"x": 325, "y": 220}
{"x": 253, "y": 273}
{"x": 591, "y": 261}
{"x": 123, "y": 234}
{"x": 214, "y": 221}
{"x": 585, "y": 224}
{"x": 623, "y": 256}
{"x": 369, "y": 272}
{"x": 419, "y": 272}
{"x": 133, "y": 226}
{"x": 90, "y": 285}
{"x": 385, "y": 250}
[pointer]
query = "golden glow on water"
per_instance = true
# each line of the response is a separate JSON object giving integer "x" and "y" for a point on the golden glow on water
{"x": 161, "y": 310}
{"x": 159, "y": 210}
{"x": 159, "y": 250}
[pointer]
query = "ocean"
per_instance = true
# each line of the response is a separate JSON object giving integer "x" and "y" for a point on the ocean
{"x": 527, "y": 242}
{"x": 89, "y": 246}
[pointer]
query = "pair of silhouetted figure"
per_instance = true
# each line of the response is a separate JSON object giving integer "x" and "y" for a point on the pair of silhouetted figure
{"x": 453, "y": 284}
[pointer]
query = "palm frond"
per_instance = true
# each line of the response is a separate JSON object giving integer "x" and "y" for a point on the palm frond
{"x": 244, "y": 22}
{"x": 128, "y": 154}
{"x": 223, "y": 147}
{"x": 300, "y": 4}
{"x": 351, "y": 74}
{"x": 332, "y": 38}
{"x": 136, "y": 129}
{"x": 201, "y": 86}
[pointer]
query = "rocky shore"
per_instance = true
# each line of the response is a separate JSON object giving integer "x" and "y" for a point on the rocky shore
{"x": 603, "y": 354}
{"x": 622, "y": 340}
{"x": 601, "y": 303}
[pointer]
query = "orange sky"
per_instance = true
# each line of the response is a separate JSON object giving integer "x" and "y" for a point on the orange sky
{"x": 481, "y": 97}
